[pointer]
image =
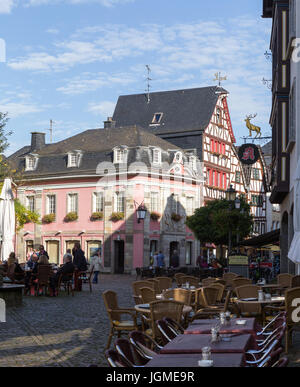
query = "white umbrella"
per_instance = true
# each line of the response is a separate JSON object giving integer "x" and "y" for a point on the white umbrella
{"x": 7, "y": 219}
{"x": 294, "y": 252}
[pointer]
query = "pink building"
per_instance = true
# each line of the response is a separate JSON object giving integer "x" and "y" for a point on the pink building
{"x": 88, "y": 187}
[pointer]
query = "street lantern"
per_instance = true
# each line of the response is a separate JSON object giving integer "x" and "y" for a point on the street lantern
{"x": 231, "y": 194}
{"x": 237, "y": 204}
{"x": 141, "y": 213}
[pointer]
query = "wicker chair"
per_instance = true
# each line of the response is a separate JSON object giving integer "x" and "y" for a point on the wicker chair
{"x": 193, "y": 281}
{"x": 241, "y": 282}
{"x": 247, "y": 291}
{"x": 229, "y": 277}
{"x": 178, "y": 277}
{"x": 155, "y": 283}
{"x": 115, "y": 313}
{"x": 296, "y": 281}
{"x": 43, "y": 276}
{"x": 115, "y": 360}
{"x": 165, "y": 283}
{"x": 213, "y": 311}
{"x": 137, "y": 286}
{"x": 208, "y": 281}
{"x": 148, "y": 295}
{"x": 162, "y": 309}
{"x": 284, "y": 280}
{"x": 221, "y": 289}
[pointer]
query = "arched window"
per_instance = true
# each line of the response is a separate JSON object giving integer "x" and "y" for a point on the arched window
{"x": 219, "y": 115}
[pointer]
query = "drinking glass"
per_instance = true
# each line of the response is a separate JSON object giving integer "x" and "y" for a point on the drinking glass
{"x": 206, "y": 353}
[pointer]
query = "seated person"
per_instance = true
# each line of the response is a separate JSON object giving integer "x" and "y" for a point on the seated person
{"x": 14, "y": 270}
{"x": 215, "y": 264}
{"x": 42, "y": 261}
{"x": 64, "y": 270}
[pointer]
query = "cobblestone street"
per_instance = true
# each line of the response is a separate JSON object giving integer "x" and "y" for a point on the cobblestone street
{"x": 68, "y": 331}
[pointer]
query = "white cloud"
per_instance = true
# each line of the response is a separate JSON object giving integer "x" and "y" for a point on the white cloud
{"x": 104, "y": 3}
{"x": 18, "y": 103}
{"x": 6, "y": 6}
{"x": 104, "y": 109}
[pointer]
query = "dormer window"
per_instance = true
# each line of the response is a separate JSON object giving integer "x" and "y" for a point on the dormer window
{"x": 31, "y": 162}
{"x": 120, "y": 155}
{"x": 157, "y": 118}
{"x": 156, "y": 156}
{"x": 74, "y": 159}
{"x": 219, "y": 115}
{"x": 178, "y": 157}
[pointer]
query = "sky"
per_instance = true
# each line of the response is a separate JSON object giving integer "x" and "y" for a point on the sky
{"x": 69, "y": 60}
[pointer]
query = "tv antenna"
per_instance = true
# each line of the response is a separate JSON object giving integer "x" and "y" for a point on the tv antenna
{"x": 51, "y": 130}
{"x": 148, "y": 79}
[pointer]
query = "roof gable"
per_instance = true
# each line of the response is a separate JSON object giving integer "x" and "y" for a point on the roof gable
{"x": 182, "y": 110}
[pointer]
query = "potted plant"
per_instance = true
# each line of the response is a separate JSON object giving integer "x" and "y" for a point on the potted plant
{"x": 96, "y": 216}
{"x": 116, "y": 216}
{"x": 155, "y": 216}
{"x": 49, "y": 218}
{"x": 71, "y": 217}
{"x": 176, "y": 217}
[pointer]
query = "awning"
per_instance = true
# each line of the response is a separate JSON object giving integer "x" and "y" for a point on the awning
{"x": 294, "y": 252}
{"x": 269, "y": 239}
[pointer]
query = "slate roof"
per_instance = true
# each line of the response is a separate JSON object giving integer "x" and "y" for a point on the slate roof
{"x": 183, "y": 110}
{"x": 96, "y": 146}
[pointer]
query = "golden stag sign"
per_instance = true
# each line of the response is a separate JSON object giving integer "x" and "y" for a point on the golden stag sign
{"x": 251, "y": 127}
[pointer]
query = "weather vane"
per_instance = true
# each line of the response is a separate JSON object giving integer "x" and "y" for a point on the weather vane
{"x": 219, "y": 78}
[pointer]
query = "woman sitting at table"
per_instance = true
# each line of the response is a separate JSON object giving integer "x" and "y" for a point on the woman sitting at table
{"x": 14, "y": 270}
{"x": 65, "y": 271}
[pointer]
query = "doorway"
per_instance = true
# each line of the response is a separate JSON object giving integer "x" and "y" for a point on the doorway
{"x": 52, "y": 248}
{"x": 119, "y": 257}
{"x": 174, "y": 246}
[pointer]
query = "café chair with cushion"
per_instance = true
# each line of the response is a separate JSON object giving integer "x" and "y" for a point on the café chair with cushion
{"x": 148, "y": 295}
{"x": 167, "y": 334}
{"x": 117, "y": 325}
{"x": 165, "y": 283}
{"x": 295, "y": 281}
{"x": 247, "y": 291}
{"x": 271, "y": 359}
{"x": 127, "y": 350}
{"x": 164, "y": 308}
{"x": 115, "y": 360}
{"x": 174, "y": 325}
{"x": 283, "y": 362}
{"x": 290, "y": 308}
{"x": 144, "y": 344}
{"x": 285, "y": 280}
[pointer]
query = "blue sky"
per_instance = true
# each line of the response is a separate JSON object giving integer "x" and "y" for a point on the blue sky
{"x": 69, "y": 60}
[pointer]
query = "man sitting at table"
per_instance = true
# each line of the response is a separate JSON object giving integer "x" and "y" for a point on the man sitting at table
{"x": 65, "y": 270}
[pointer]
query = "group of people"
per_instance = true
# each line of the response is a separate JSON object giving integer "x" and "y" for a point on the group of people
{"x": 73, "y": 261}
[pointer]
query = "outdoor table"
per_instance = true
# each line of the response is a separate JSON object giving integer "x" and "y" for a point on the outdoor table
{"x": 146, "y": 310}
{"x": 200, "y": 327}
{"x": 191, "y": 360}
{"x": 238, "y": 343}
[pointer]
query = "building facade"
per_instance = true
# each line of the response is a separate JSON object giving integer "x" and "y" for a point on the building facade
{"x": 285, "y": 115}
{"x": 88, "y": 188}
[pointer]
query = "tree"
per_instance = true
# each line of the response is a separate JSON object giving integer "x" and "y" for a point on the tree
{"x": 23, "y": 215}
{"x": 212, "y": 223}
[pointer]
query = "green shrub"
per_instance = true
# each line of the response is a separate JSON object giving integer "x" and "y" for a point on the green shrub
{"x": 49, "y": 218}
{"x": 116, "y": 216}
{"x": 96, "y": 216}
{"x": 71, "y": 217}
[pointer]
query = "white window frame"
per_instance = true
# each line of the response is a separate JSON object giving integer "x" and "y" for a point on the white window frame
{"x": 156, "y": 156}
{"x": 117, "y": 206}
{"x": 49, "y": 205}
{"x": 95, "y": 204}
{"x": 31, "y": 162}
{"x": 154, "y": 202}
{"x": 120, "y": 155}
{"x": 70, "y": 197}
{"x": 30, "y": 206}
{"x": 74, "y": 159}
{"x": 190, "y": 205}
{"x": 154, "y": 121}
{"x": 178, "y": 157}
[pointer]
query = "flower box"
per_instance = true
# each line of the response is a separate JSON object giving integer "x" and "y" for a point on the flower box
{"x": 155, "y": 216}
{"x": 176, "y": 217}
{"x": 96, "y": 216}
{"x": 71, "y": 217}
{"x": 116, "y": 216}
{"x": 49, "y": 218}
